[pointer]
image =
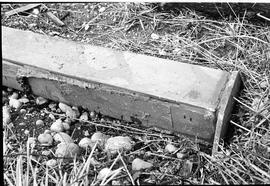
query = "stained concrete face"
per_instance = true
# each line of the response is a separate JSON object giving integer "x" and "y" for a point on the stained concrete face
{"x": 169, "y": 80}
{"x": 152, "y": 91}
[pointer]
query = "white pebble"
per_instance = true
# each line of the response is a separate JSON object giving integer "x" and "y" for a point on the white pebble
{"x": 138, "y": 164}
{"x": 68, "y": 150}
{"x": 154, "y": 36}
{"x": 86, "y": 142}
{"x": 51, "y": 163}
{"x": 15, "y": 95}
{"x": 57, "y": 126}
{"x": 45, "y": 139}
{"x": 23, "y": 111}
{"x": 180, "y": 155}
{"x": 24, "y": 100}
{"x": 102, "y": 9}
{"x": 100, "y": 138}
{"x": 92, "y": 114}
{"x": 39, "y": 122}
{"x": 14, "y": 103}
{"x": 118, "y": 143}
{"x": 26, "y": 132}
{"x": 84, "y": 116}
{"x": 6, "y": 115}
{"x": 52, "y": 116}
{"x": 40, "y": 100}
{"x": 64, "y": 107}
{"x": 170, "y": 148}
{"x": 66, "y": 126}
{"x": 62, "y": 138}
{"x": 103, "y": 173}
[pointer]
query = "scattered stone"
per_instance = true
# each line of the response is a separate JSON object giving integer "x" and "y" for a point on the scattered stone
{"x": 170, "y": 148}
{"x": 105, "y": 172}
{"x": 9, "y": 89}
{"x": 154, "y": 36}
{"x": 84, "y": 116}
{"x": 23, "y": 111}
{"x": 52, "y": 106}
{"x": 39, "y": 122}
{"x": 180, "y": 155}
{"x": 116, "y": 182}
{"x": 47, "y": 131}
{"x": 6, "y": 115}
{"x": 45, "y": 139}
{"x": 14, "y": 103}
{"x": 68, "y": 121}
{"x": 86, "y": 142}
{"x": 66, "y": 126}
{"x": 102, "y": 9}
{"x": 57, "y": 126}
{"x": 67, "y": 150}
{"x": 52, "y": 116}
{"x": 118, "y": 143}
{"x": 92, "y": 114}
{"x": 26, "y": 132}
{"x": 31, "y": 140}
{"x": 24, "y": 100}
{"x": 4, "y": 93}
{"x": 264, "y": 84}
{"x": 51, "y": 163}
{"x": 62, "y": 138}
{"x": 22, "y": 124}
{"x": 46, "y": 152}
{"x": 15, "y": 95}
{"x": 138, "y": 164}
{"x": 40, "y": 100}
{"x": 76, "y": 110}
{"x": 100, "y": 138}
{"x": 71, "y": 114}
{"x": 63, "y": 107}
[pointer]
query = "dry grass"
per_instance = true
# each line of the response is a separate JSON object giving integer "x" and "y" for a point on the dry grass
{"x": 229, "y": 45}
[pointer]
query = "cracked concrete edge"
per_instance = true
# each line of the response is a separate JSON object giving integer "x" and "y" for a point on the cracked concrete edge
{"x": 225, "y": 107}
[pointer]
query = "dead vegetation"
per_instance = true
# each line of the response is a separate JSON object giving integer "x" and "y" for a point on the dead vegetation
{"x": 234, "y": 44}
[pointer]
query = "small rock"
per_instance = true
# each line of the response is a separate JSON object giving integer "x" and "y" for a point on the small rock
{"x": 100, "y": 138}
{"x": 180, "y": 155}
{"x": 15, "y": 95}
{"x": 35, "y": 11}
{"x": 92, "y": 114}
{"x": 62, "y": 138}
{"x": 22, "y": 124}
{"x": 9, "y": 89}
{"x": 118, "y": 143}
{"x": 52, "y": 116}
{"x": 103, "y": 173}
{"x": 52, "y": 106}
{"x": 26, "y": 132}
{"x": 71, "y": 114}
{"x": 45, "y": 139}
{"x": 46, "y": 152}
{"x": 47, "y": 131}
{"x": 68, "y": 121}
{"x": 264, "y": 84}
{"x": 14, "y": 103}
{"x": 102, "y": 9}
{"x": 4, "y": 93}
{"x": 93, "y": 161}
{"x": 170, "y": 148}
{"x": 154, "y": 36}
{"x": 67, "y": 150}
{"x": 64, "y": 107}
{"x": 116, "y": 182}
{"x": 6, "y": 115}
{"x": 51, "y": 163}
{"x": 23, "y": 111}
{"x": 39, "y": 122}
{"x": 57, "y": 126}
{"x": 76, "y": 110}
{"x": 24, "y": 100}
{"x": 86, "y": 142}
{"x": 138, "y": 164}
{"x": 66, "y": 126}
{"x": 31, "y": 140}
{"x": 40, "y": 100}
{"x": 84, "y": 116}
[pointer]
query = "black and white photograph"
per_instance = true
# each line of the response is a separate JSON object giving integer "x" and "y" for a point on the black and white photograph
{"x": 135, "y": 92}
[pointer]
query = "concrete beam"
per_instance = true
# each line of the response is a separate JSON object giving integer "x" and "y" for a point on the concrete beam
{"x": 153, "y": 91}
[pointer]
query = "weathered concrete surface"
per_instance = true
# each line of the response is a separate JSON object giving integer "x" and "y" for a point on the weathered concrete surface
{"x": 161, "y": 78}
{"x": 155, "y": 92}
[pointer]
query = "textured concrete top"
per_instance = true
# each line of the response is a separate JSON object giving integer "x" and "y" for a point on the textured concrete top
{"x": 170, "y": 80}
